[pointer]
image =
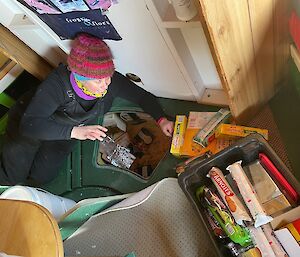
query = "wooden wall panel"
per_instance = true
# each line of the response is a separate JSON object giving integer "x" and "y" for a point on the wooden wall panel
{"x": 282, "y": 10}
{"x": 19, "y": 52}
{"x": 248, "y": 52}
{"x": 261, "y": 19}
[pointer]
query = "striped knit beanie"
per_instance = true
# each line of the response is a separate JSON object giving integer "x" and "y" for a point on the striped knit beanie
{"x": 90, "y": 57}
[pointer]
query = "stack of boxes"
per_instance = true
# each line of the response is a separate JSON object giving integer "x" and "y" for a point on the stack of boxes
{"x": 207, "y": 132}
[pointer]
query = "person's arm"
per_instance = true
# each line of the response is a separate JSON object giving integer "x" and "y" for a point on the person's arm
{"x": 128, "y": 90}
{"x": 91, "y": 132}
{"x": 37, "y": 122}
{"x": 166, "y": 126}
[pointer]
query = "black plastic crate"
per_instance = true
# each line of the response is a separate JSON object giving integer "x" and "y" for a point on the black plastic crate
{"x": 246, "y": 150}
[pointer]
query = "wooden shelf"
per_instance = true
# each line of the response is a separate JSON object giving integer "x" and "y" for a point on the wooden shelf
{"x": 16, "y": 50}
{"x": 215, "y": 97}
{"x": 169, "y": 20}
{"x": 6, "y": 67}
{"x": 10, "y": 76}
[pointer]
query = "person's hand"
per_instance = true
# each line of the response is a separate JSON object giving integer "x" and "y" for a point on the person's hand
{"x": 92, "y": 132}
{"x": 166, "y": 126}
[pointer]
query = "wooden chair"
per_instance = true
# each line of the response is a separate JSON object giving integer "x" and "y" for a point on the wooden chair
{"x": 29, "y": 230}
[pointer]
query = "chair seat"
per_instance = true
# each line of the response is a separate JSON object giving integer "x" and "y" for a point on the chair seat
{"x": 28, "y": 229}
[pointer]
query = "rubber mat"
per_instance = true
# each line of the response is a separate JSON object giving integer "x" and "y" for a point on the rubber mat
{"x": 158, "y": 221}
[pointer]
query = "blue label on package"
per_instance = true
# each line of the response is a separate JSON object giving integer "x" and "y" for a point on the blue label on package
{"x": 67, "y": 25}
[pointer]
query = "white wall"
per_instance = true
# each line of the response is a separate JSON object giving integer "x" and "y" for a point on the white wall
{"x": 198, "y": 46}
{"x": 32, "y": 31}
{"x": 143, "y": 50}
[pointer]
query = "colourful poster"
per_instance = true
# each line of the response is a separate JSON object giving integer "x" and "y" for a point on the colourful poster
{"x": 41, "y": 6}
{"x": 99, "y": 4}
{"x": 70, "y": 5}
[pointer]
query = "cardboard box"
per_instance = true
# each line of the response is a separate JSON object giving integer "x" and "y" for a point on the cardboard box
{"x": 196, "y": 121}
{"x": 284, "y": 236}
{"x": 178, "y": 135}
{"x": 288, "y": 242}
{"x": 286, "y": 218}
{"x": 216, "y": 146}
{"x": 206, "y": 134}
{"x": 234, "y": 131}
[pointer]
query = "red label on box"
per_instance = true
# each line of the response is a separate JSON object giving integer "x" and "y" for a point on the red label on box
{"x": 221, "y": 184}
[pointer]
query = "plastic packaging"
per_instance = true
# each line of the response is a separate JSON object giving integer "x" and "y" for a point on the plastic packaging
{"x": 288, "y": 188}
{"x": 253, "y": 252}
{"x": 206, "y": 134}
{"x": 258, "y": 213}
{"x": 276, "y": 246}
{"x": 268, "y": 193}
{"x": 118, "y": 155}
{"x": 237, "y": 250}
{"x": 260, "y": 241}
{"x": 233, "y": 203}
{"x": 214, "y": 224}
{"x": 215, "y": 205}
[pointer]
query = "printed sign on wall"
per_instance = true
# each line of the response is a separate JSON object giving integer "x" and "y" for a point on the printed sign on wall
{"x": 67, "y": 25}
{"x": 70, "y": 17}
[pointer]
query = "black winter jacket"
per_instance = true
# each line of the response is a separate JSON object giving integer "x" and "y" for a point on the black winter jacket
{"x": 55, "y": 108}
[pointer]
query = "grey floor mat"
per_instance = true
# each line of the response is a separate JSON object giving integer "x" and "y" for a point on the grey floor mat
{"x": 163, "y": 223}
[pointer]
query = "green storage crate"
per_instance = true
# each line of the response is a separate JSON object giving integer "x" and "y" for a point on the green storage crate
{"x": 82, "y": 177}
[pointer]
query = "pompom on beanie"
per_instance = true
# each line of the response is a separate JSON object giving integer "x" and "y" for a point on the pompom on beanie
{"x": 90, "y": 57}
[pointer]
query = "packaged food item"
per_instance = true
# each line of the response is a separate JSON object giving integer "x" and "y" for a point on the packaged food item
{"x": 206, "y": 134}
{"x": 215, "y": 146}
{"x": 261, "y": 242}
{"x": 285, "y": 185}
{"x": 190, "y": 163}
{"x": 214, "y": 204}
{"x": 248, "y": 193}
{"x": 288, "y": 242}
{"x": 237, "y": 250}
{"x": 294, "y": 228}
{"x": 263, "y": 184}
{"x": 276, "y": 205}
{"x": 232, "y": 201}
{"x": 178, "y": 135}
{"x": 196, "y": 121}
{"x": 284, "y": 218}
{"x": 253, "y": 252}
{"x": 276, "y": 246}
{"x": 214, "y": 224}
{"x": 267, "y": 191}
{"x": 235, "y": 131}
{"x": 222, "y": 143}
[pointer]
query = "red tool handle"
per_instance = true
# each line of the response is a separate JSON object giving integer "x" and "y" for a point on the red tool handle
{"x": 266, "y": 162}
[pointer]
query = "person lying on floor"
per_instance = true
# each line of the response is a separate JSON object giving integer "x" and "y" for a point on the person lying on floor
{"x": 42, "y": 129}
